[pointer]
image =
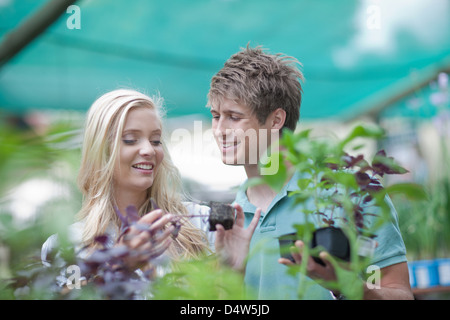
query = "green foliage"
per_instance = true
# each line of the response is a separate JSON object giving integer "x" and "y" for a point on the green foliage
{"x": 202, "y": 279}
{"x": 54, "y": 156}
{"x": 339, "y": 189}
{"x": 425, "y": 224}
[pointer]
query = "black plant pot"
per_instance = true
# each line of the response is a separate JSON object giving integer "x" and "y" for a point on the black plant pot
{"x": 286, "y": 242}
{"x": 330, "y": 239}
{"x": 334, "y": 241}
{"x": 221, "y": 213}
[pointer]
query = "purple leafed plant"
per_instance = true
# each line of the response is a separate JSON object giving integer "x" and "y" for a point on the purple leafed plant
{"x": 104, "y": 267}
{"x": 367, "y": 177}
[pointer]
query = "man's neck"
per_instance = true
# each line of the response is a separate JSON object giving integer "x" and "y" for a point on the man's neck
{"x": 260, "y": 195}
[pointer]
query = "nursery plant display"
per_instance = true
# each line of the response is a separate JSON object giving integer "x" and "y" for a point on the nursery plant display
{"x": 342, "y": 197}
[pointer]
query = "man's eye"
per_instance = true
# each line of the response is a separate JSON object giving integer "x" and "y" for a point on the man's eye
{"x": 234, "y": 118}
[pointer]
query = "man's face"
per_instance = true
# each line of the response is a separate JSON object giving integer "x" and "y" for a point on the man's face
{"x": 238, "y": 133}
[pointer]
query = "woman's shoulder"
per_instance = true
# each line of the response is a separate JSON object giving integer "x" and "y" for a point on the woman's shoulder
{"x": 200, "y": 219}
{"x": 196, "y": 208}
{"x": 73, "y": 233}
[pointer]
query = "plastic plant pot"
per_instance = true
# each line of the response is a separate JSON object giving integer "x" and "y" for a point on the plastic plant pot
{"x": 334, "y": 241}
{"x": 330, "y": 239}
{"x": 286, "y": 242}
{"x": 222, "y": 214}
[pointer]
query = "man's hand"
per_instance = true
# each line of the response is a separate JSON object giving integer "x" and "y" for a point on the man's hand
{"x": 394, "y": 284}
{"x": 232, "y": 245}
{"x": 314, "y": 270}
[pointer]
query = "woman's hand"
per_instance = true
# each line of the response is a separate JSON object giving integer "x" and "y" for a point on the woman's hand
{"x": 232, "y": 245}
{"x": 148, "y": 238}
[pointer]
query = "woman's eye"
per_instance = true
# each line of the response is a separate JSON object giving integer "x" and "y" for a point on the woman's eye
{"x": 156, "y": 142}
{"x": 129, "y": 141}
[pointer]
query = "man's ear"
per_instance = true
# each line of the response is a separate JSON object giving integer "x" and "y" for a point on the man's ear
{"x": 277, "y": 119}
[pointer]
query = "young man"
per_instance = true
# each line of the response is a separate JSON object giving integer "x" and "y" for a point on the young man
{"x": 252, "y": 99}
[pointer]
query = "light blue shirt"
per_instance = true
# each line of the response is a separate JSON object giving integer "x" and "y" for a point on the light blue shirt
{"x": 268, "y": 278}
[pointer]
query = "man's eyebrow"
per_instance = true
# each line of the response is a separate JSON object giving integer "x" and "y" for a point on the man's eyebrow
{"x": 235, "y": 112}
{"x": 228, "y": 111}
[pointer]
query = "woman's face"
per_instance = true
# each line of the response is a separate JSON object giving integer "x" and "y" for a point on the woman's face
{"x": 140, "y": 153}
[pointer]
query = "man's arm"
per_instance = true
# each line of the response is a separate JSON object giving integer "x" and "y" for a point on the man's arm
{"x": 394, "y": 284}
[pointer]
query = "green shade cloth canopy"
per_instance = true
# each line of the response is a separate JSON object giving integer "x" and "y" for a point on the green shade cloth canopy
{"x": 356, "y": 55}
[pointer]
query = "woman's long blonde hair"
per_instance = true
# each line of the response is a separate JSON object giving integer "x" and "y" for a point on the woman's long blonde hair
{"x": 103, "y": 131}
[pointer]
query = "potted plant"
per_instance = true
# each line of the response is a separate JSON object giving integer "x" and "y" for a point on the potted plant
{"x": 341, "y": 194}
{"x": 220, "y": 213}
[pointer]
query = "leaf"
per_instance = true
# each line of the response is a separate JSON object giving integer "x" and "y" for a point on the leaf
{"x": 372, "y": 189}
{"x": 121, "y": 217}
{"x": 328, "y": 222}
{"x": 352, "y": 161}
{"x": 367, "y": 198}
{"x": 304, "y": 229}
{"x": 132, "y": 213}
{"x": 363, "y": 132}
{"x": 102, "y": 239}
{"x": 303, "y": 183}
{"x": 382, "y": 164}
{"x": 345, "y": 179}
{"x": 362, "y": 178}
{"x": 276, "y": 175}
{"x": 410, "y": 190}
{"x": 154, "y": 205}
{"x": 253, "y": 182}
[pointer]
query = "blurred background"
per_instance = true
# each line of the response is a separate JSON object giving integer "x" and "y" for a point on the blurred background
{"x": 381, "y": 61}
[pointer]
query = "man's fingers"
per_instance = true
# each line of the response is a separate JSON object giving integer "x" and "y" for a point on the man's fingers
{"x": 220, "y": 233}
{"x": 240, "y": 217}
{"x": 254, "y": 223}
{"x": 285, "y": 261}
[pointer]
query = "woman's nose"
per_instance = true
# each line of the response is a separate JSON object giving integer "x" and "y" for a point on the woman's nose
{"x": 146, "y": 149}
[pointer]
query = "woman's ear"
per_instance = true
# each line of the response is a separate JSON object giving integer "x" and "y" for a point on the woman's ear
{"x": 277, "y": 118}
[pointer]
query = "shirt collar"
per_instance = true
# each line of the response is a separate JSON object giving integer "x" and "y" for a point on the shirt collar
{"x": 247, "y": 206}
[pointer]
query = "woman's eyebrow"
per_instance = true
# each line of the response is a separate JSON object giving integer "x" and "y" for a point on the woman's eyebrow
{"x": 156, "y": 131}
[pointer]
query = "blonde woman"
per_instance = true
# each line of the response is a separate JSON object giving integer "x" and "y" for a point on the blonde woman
{"x": 125, "y": 162}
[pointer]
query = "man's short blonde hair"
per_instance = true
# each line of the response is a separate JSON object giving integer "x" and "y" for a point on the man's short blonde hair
{"x": 262, "y": 81}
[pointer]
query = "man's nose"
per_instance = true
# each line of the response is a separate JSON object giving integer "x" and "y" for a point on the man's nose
{"x": 220, "y": 128}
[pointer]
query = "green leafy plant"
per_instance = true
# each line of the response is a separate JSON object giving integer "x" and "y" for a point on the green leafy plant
{"x": 25, "y": 155}
{"x": 202, "y": 279}
{"x": 337, "y": 189}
